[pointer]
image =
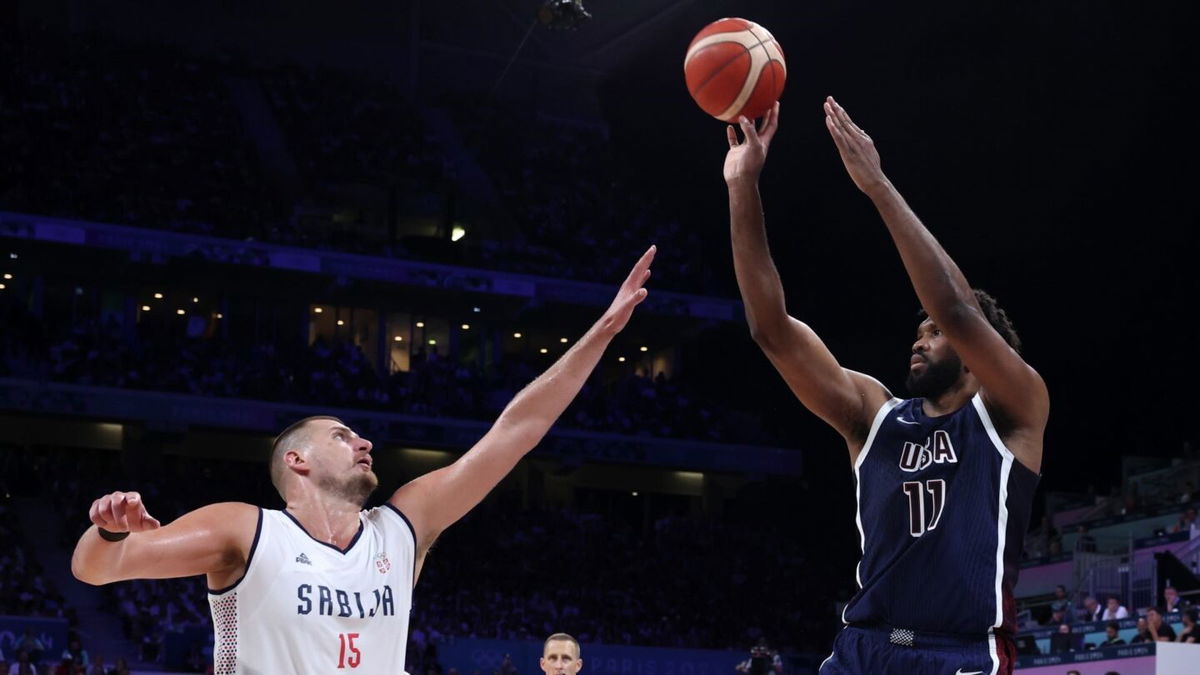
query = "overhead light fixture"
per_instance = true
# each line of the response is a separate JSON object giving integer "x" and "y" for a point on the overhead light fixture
{"x": 180, "y": 312}
{"x": 457, "y": 232}
{"x": 563, "y": 340}
{"x": 9, "y": 276}
{"x": 645, "y": 349}
{"x": 398, "y": 338}
{"x": 317, "y": 310}
{"x": 466, "y": 326}
{"x": 145, "y": 308}
{"x": 195, "y": 299}
{"x": 341, "y": 323}
{"x": 420, "y": 324}
{"x": 621, "y": 359}
{"x": 433, "y": 342}
{"x": 543, "y": 350}
{"x": 158, "y": 296}
{"x": 517, "y": 335}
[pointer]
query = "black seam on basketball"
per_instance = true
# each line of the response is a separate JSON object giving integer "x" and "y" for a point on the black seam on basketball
{"x": 770, "y": 59}
{"x": 717, "y": 71}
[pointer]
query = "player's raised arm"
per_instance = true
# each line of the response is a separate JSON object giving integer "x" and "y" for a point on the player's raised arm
{"x": 1008, "y": 384}
{"x": 436, "y": 500}
{"x": 125, "y": 542}
{"x": 843, "y": 398}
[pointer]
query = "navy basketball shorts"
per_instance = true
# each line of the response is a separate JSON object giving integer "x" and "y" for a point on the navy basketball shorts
{"x": 880, "y": 650}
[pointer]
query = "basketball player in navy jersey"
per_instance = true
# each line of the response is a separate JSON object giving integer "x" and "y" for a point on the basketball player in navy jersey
{"x": 944, "y": 480}
{"x": 325, "y": 585}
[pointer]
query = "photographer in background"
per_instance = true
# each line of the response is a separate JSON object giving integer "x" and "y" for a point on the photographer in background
{"x": 763, "y": 660}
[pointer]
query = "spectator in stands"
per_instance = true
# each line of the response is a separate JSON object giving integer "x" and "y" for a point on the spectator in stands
{"x": 1115, "y": 610}
{"x": 1143, "y": 632}
{"x": 1092, "y": 611}
{"x": 1060, "y": 601}
{"x": 1187, "y": 522}
{"x": 1085, "y": 543}
{"x": 1189, "y": 633}
{"x": 1111, "y": 637}
{"x": 1160, "y": 630}
{"x": 30, "y": 644}
{"x": 1063, "y": 640}
{"x": 1058, "y": 616}
{"x": 1171, "y": 600}
{"x": 76, "y": 653}
{"x": 23, "y": 666}
{"x": 763, "y": 661}
{"x": 1189, "y": 492}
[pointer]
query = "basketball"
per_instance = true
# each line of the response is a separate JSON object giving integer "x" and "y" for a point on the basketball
{"x": 734, "y": 67}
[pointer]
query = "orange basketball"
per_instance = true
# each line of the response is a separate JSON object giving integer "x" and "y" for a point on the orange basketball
{"x": 734, "y": 67}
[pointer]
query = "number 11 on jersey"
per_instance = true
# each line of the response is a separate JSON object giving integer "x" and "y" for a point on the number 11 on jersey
{"x": 916, "y": 490}
{"x": 347, "y": 642}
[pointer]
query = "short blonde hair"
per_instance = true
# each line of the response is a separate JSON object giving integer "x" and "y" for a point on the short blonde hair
{"x": 295, "y": 434}
{"x": 565, "y": 638}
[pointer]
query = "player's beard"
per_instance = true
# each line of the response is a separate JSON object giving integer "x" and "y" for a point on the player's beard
{"x": 937, "y": 377}
{"x": 354, "y": 488}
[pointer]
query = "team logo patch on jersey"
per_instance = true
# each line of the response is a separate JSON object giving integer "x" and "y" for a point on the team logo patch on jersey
{"x": 936, "y": 450}
{"x": 382, "y": 563}
{"x": 303, "y": 559}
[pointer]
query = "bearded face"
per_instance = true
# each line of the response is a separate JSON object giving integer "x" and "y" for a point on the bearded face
{"x": 354, "y": 486}
{"x": 936, "y": 378}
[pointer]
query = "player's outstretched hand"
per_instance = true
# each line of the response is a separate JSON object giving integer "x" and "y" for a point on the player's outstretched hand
{"x": 630, "y": 295}
{"x": 745, "y": 160}
{"x": 855, "y": 146}
{"x": 122, "y": 512}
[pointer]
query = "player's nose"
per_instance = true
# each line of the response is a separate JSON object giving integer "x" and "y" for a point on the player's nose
{"x": 365, "y": 445}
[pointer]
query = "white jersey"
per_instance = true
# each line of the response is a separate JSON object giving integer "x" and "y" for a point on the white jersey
{"x": 305, "y": 606}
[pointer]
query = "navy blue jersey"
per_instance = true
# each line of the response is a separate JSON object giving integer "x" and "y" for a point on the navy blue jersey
{"x": 943, "y": 507}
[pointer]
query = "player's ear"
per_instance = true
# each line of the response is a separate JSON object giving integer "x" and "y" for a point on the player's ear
{"x": 296, "y": 461}
{"x": 578, "y": 665}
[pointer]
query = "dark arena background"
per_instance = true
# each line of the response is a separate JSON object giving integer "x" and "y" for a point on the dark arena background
{"x": 217, "y": 218}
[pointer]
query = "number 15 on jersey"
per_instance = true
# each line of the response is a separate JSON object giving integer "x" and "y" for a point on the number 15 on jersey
{"x": 348, "y": 650}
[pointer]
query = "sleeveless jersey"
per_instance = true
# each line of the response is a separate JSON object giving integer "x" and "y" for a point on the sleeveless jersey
{"x": 943, "y": 507}
{"x": 304, "y": 606}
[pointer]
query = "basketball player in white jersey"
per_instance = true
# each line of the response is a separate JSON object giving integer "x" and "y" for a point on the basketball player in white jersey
{"x": 325, "y": 586}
